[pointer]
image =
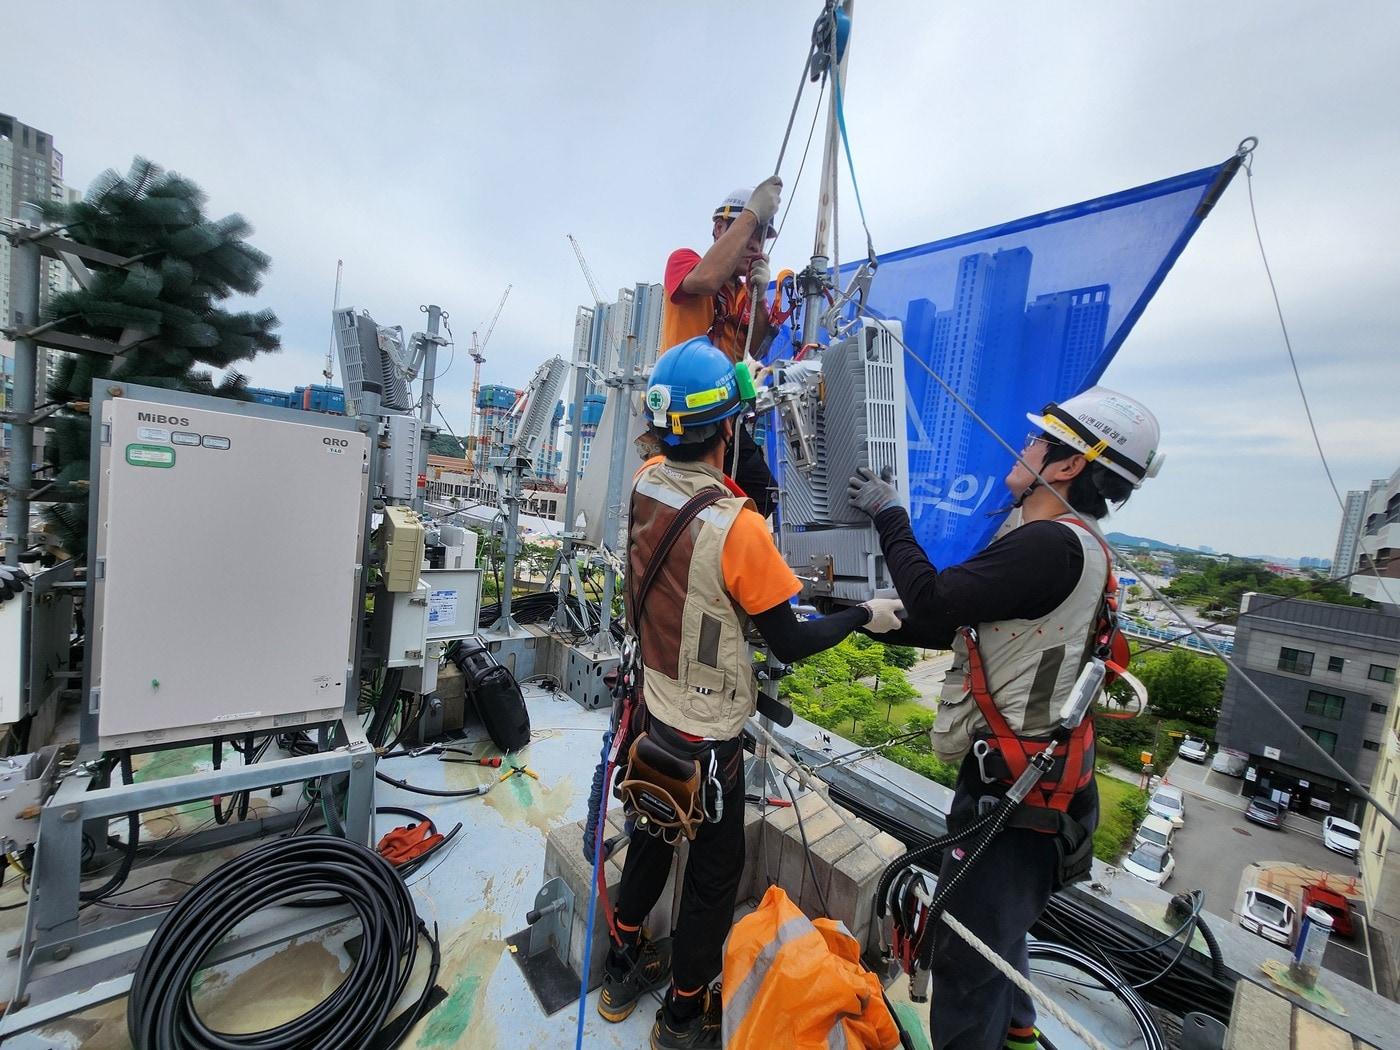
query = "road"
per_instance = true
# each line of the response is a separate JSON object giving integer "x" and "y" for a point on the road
{"x": 1217, "y": 845}
{"x": 927, "y": 676}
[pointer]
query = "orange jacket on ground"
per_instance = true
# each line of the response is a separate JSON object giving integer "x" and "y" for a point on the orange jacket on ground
{"x": 794, "y": 983}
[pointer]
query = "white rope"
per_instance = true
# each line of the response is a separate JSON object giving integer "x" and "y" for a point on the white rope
{"x": 1020, "y": 981}
{"x": 976, "y": 943}
{"x": 1341, "y": 772}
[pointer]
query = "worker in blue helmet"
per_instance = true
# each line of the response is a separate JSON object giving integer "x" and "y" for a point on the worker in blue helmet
{"x": 701, "y": 569}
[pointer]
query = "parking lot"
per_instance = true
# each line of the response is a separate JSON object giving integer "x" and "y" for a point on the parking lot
{"x": 1217, "y": 845}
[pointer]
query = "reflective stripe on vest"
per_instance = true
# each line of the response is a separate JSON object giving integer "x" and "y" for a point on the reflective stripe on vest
{"x": 793, "y": 982}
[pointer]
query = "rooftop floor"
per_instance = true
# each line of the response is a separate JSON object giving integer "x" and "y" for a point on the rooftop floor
{"x": 477, "y": 893}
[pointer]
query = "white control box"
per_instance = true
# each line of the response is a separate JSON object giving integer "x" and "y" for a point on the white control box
{"x": 12, "y": 660}
{"x": 226, "y": 567}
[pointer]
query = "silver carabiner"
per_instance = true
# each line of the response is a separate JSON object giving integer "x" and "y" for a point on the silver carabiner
{"x": 980, "y": 750}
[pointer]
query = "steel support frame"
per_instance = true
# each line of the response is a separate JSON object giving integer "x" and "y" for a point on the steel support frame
{"x": 51, "y": 933}
{"x": 24, "y": 315}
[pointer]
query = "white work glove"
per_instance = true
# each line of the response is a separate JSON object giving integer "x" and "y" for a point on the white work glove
{"x": 886, "y": 615}
{"x": 870, "y": 494}
{"x": 12, "y": 581}
{"x": 764, "y": 201}
{"x": 758, "y": 284}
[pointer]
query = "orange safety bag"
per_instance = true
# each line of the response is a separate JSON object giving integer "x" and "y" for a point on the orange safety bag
{"x": 794, "y": 982}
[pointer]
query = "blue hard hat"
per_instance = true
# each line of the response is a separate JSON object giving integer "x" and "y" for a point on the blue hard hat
{"x": 693, "y": 387}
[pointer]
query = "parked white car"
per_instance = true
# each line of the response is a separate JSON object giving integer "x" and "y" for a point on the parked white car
{"x": 1193, "y": 749}
{"x": 1151, "y": 863}
{"x": 1341, "y": 836}
{"x": 1268, "y": 915}
{"x": 1156, "y": 830}
{"x": 1230, "y": 762}
{"x": 1167, "y": 802}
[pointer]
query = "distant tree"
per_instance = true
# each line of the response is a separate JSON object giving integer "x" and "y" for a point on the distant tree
{"x": 894, "y": 689}
{"x": 901, "y": 656}
{"x": 447, "y": 445}
{"x": 166, "y": 306}
{"x": 827, "y": 667}
{"x": 920, "y": 720}
{"x": 1181, "y": 684}
{"x": 848, "y": 700}
{"x": 866, "y": 663}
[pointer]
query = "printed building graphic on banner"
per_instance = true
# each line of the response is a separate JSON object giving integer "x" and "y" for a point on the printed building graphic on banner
{"x": 1012, "y": 317}
{"x": 997, "y": 349}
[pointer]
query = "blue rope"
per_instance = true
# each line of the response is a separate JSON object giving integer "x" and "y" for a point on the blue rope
{"x": 850, "y": 161}
{"x": 595, "y": 796}
{"x": 597, "y": 815}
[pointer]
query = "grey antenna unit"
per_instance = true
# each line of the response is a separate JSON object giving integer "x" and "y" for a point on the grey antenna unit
{"x": 369, "y": 351}
{"x": 536, "y": 408}
{"x": 849, "y": 415}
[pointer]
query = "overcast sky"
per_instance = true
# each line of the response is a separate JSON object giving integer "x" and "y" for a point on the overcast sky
{"x": 444, "y": 150}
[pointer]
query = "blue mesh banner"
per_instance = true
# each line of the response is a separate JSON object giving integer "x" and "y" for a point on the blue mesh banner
{"x": 1013, "y": 317}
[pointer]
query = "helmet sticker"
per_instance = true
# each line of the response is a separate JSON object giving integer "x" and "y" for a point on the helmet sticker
{"x": 658, "y": 398}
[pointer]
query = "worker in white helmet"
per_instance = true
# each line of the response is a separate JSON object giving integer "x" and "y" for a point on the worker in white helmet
{"x": 1023, "y": 618}
{"x": 716, "y": 294}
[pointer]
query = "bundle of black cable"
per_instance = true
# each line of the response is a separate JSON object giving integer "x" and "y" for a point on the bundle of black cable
{"x": 160, "y": 1011}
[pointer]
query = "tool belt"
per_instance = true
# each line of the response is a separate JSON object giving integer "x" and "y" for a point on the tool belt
{"x": 669, "y": 784}
{"x": 1074, "y": 843}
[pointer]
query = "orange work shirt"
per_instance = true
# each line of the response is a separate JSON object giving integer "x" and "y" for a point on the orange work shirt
{"x": 724, "y": 316}
{"x": 755, "y": 574}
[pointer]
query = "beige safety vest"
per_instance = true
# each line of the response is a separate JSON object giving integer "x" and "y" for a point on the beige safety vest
{"x": 1031, "y": 664}
{"x": 698, "y": 674}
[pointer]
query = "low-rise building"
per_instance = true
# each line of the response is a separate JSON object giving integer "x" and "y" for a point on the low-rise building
{"x": 1377, "y": 568}
{"x": 1331, "y": 668}
{"x": 1380, "y": 850}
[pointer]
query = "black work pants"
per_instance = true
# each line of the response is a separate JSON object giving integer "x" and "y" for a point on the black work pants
{"x": 710, "y": 884}
{"x": 971, "y": 1004}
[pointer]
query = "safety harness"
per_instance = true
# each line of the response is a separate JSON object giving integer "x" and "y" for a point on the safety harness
{"x": 1002, "y": 755}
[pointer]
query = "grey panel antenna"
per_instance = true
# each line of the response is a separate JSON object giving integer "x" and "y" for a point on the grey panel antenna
{"x": 540, "y": 398}
{"x": 367, "y": 352}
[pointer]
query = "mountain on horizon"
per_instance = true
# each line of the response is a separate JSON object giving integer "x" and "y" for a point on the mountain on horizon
{"x": 1126, "y": 540}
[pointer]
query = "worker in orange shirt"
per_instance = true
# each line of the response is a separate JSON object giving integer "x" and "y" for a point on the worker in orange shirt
{"x": 702, "y": 567}
{"x": 716, "y": 295}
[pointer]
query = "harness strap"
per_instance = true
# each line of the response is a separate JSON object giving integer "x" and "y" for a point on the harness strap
{"x": 679, "y": 523}
{"x": 1075, "y": 774}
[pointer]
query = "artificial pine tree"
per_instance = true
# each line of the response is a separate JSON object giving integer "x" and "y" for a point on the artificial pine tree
{"x": 166, "y": 301}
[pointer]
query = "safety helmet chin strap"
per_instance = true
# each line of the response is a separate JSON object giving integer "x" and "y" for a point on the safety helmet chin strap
{"x": 1021, "y": 499}
{"x": 1025, "y": 493}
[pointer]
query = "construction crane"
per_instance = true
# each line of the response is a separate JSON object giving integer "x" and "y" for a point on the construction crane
{"x": 335, "y": 305}
{"x": 587, "y": 273}
{"x": 478, "y": 355}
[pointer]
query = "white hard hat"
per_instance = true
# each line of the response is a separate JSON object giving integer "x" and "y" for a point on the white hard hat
{"x": 733, "y": 204}
{"x": 1108, "y": 427}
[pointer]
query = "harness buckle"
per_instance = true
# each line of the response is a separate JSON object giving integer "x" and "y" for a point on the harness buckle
{"x": 1039, "y": 765}
{"x": 980, "y": 750}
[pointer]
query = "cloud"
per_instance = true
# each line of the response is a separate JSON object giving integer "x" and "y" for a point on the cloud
{"x": 443, "y": 151}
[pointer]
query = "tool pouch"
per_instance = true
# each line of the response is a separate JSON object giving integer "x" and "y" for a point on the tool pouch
{"x": 1075, "y": 846}
{"x": 665, "y": 790}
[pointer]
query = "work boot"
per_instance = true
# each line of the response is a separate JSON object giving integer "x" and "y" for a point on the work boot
{"x": 1023, "y": 1038}
{"x": 702, "y": 1030}
{"x": 629, "y": 973}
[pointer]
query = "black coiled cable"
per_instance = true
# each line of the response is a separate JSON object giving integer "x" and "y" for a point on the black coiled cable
{"x": 160, "y": 1010}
